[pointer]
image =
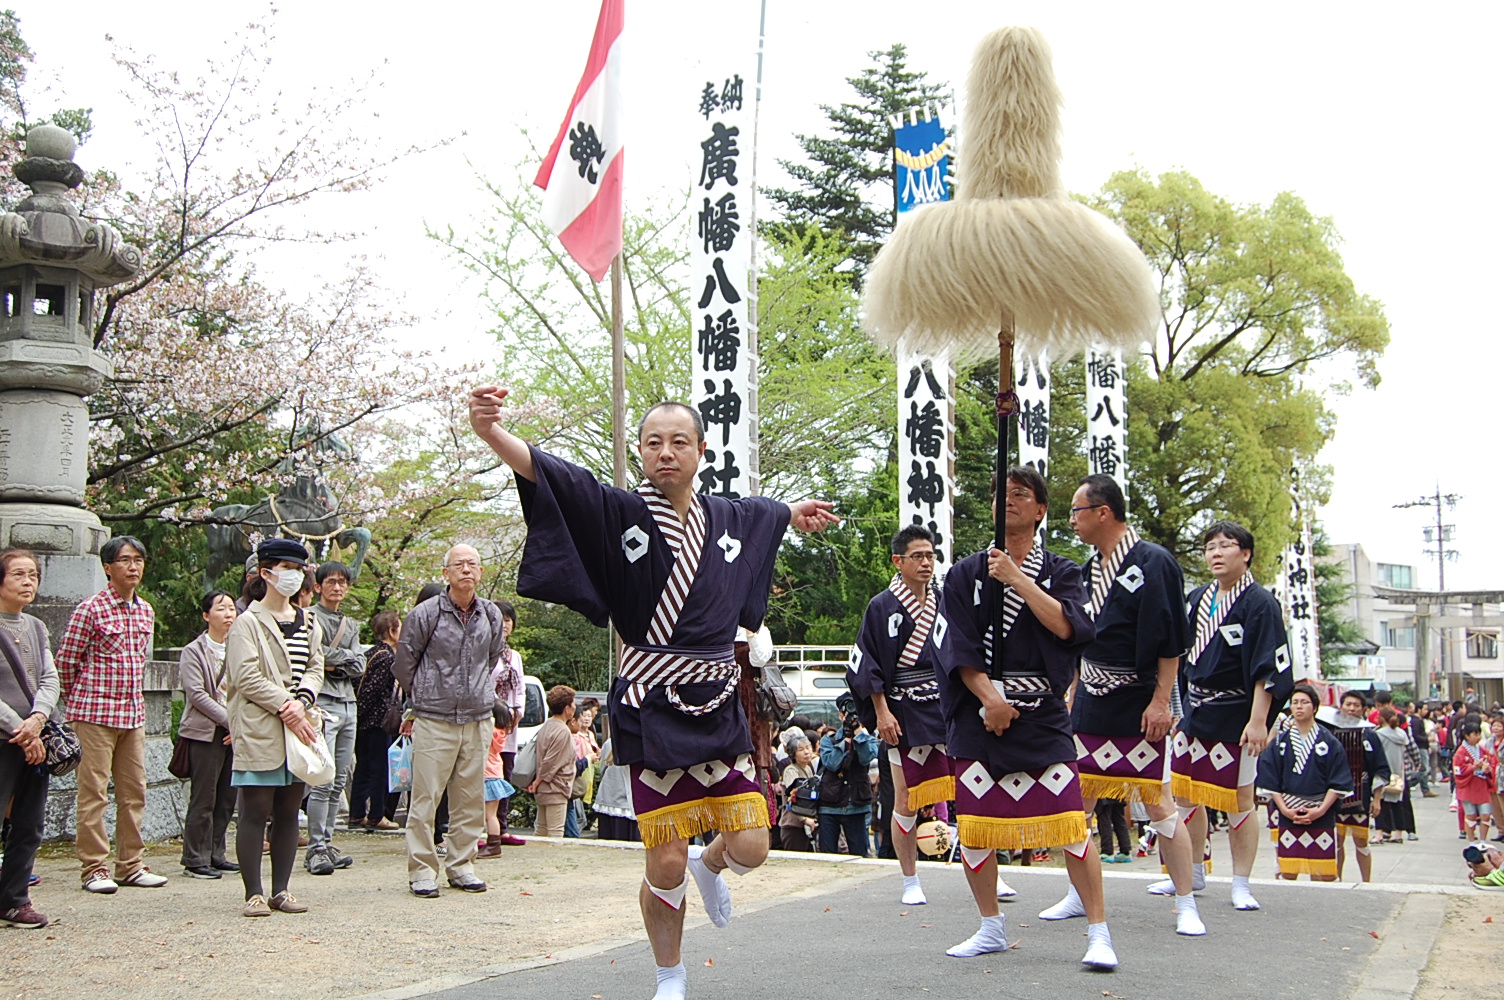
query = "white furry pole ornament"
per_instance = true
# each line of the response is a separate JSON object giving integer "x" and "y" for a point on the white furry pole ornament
{"x": 1012, "y": 258}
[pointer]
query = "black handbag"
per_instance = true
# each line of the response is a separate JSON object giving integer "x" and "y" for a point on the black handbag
{"x": 61, "y": 742}
{"x": 804, "y": 796}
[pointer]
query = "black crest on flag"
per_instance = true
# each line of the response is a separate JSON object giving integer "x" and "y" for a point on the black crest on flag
{"x": 586, "y": 151}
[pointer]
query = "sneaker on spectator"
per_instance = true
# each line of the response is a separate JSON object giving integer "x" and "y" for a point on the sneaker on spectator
{"x": 256, "y": 907}
{"x": 142, "y": 878}
{"x": 226, "y": 866}
{"x": 24, "y": 916}
{"x": 99, "y": 881}
{"x": 424, "y": 887}
{"x": 202, "y": 871}
{"x": 467, "y": 882}
{"x": 340, "y": 859}
{"x": 319, "y": 861}
{"x": 1493, "y": 880}
{"x": 33, "y": 879}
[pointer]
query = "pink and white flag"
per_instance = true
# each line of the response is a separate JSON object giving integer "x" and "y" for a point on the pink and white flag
{"x": 582, "y": 188}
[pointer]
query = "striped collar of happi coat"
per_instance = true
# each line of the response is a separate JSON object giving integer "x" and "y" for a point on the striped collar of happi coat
{"x": 1013, "y": 601}
{"x": 922, "y": 613}
{"x": 686, "y": 539}
{"x": 1105, "y": 570}
{"x": 1207, "y": 620}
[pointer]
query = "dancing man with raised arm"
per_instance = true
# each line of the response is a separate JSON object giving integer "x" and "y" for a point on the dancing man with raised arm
{"x": 675, "y": 573}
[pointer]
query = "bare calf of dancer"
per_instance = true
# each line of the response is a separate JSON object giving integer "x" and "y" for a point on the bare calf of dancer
{"x": 670, "y": 865}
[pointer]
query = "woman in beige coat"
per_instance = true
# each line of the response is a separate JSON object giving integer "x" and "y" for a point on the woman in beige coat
{"x": 274, "y": 668}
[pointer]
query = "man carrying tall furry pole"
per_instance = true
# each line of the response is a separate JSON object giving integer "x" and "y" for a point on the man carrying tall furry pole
{"x": 1121, "y": 710}
{"x": 675, "y": 573}
{"x": 1006, "y": 723}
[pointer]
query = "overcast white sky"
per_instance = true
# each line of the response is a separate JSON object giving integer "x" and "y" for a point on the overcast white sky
{"x": 1386, "y": 123}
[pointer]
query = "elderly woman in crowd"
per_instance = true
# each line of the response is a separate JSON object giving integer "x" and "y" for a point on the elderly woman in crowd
{"x": 206, "y": 728}
{"x": 274, "y": 669}
{"x": 28, "y": 696}
{"x": 796, "y": 823}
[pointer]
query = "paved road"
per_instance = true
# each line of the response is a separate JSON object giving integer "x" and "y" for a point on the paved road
{"x": 858, "y": 944}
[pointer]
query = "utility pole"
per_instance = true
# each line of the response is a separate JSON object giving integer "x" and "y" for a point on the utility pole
{"x": 1440, "y": 534}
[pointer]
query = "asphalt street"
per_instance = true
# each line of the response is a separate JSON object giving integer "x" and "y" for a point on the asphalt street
{"x": 860, "y": 943}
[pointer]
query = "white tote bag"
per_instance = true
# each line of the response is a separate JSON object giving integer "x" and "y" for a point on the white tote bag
{"x": 312, "y": 764}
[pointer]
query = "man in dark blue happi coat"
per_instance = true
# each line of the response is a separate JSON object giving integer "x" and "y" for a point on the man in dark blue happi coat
{"x": 675, "y": 573}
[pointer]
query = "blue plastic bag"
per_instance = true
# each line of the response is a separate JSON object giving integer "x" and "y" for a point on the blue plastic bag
{"x": 399, "y": 765}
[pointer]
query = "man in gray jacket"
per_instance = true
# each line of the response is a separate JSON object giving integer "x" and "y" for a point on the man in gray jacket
{"x": 344, "y": 664}
{"x": 444, "y": 659}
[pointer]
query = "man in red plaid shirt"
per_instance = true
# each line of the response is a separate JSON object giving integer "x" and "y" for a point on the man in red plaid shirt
{"x": 101, "y": 664}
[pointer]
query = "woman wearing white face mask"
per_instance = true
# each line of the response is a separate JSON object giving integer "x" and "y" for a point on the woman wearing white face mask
{"x": 274, "y": 668}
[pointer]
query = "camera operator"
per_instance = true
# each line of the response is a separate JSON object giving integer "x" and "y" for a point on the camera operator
{"x": 845, "y": 787}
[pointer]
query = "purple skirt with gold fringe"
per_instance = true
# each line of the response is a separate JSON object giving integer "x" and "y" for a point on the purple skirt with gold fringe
{"x": 687, "y": 801}
{"x": 927, "y": 773}
{"x": 1039, "y": 808}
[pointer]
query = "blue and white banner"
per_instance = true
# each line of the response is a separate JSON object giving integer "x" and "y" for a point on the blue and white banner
{"x": 921, "y": 160}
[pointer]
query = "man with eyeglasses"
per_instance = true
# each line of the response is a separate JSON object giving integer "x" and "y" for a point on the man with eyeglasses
{"x": 101, "y": 665}
{"x": 1121, "y": 708}
{"x": 892, "y": 676}
{"x": 449, "y": 644}
{"x": 1236, "y": 679}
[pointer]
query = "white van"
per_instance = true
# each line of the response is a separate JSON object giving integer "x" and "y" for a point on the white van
{"x": 534, "y": 712}
{"x": 818, "y": 676}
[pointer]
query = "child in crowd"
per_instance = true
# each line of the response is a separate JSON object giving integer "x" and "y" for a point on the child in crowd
{"x": 1473, "y": 770}
{"x": 498, "y": 789}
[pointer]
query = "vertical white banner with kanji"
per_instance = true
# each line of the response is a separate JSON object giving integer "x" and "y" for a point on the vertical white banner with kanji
{"x": 1295, "y": 587}
{"x": 720, "y": 255}
{"x": 1107, "y": 416}
{"x": 1033, "y": 387}
{"x": 926, "y": 448}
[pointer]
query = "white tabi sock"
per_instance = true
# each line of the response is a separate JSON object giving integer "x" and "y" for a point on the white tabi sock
{"x": 713, "y": 888}
{"x": 1070, "y": 906}
{"x": 672, "y": 982}
{"x": 1188, "y": 917}
{"x": 1099, "y": 953}
{"x": 913, "y": 895}
{"x": 1242, "y": 897}
{"x": 992, "y": 937}
{"x": 1167, "y": 887}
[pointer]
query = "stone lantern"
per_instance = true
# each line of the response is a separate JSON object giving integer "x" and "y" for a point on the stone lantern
{"x": 51, "y": 263}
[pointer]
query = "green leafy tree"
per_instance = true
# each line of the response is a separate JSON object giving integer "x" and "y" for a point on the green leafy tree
{"x": 1254, "y": 297}
{"x": 846, "y": 187}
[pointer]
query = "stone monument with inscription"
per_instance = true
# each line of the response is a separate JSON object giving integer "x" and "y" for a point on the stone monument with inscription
{"x": 51, "y": 263}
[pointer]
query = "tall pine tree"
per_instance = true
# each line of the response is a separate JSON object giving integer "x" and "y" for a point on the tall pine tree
{"x": 847, "y": 185}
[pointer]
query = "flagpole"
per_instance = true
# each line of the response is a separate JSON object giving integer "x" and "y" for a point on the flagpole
{"x": 618, "y": 421}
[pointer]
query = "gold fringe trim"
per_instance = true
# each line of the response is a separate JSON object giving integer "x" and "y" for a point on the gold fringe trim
{"x": 1032, "y": 831}
{"x": 1308, "y": 866}
{"x": 1096, "y": 786}
{"x": 746, "y": 811}
{"x": 927, "y": 793}
{"x": 1352, "y": 830}
{"x": 1203, "y": 793}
